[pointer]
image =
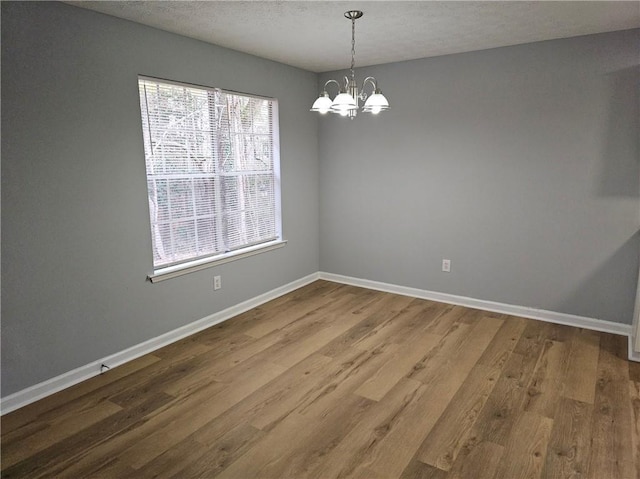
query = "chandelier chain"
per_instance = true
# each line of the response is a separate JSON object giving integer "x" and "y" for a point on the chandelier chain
{"x": 353, "y": 46}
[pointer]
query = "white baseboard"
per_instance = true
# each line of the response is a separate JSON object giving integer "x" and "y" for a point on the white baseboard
{"x": 633, "y": 354}
{"x": 522, "y": 311}
{"x": 58, "y": 383}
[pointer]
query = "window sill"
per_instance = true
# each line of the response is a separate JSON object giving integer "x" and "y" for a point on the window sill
{"x": 186, "y": 268}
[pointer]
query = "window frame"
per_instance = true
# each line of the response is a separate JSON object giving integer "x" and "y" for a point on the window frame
{"x": 162, "y": 272}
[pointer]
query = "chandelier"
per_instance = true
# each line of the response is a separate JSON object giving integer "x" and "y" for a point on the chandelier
{"x": 346, "y": 101}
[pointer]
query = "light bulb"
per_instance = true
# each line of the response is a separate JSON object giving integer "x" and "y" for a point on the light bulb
{"x": 375, "y": 110}
{"x": 343, "y": 112}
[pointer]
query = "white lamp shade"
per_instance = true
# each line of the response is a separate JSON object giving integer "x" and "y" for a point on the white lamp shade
{"x": 322, "y": 104}
{"x": 376, "y": 103}
{"x": 344, "y": 102}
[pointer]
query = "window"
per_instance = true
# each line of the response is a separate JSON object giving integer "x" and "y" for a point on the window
{"x": 212, "y": 171}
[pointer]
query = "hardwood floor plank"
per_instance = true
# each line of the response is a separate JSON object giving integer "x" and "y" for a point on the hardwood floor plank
{"x": 305, "y": 442}
{"x": 60, "y": 415}
{"x": 56, "y": 431}
{"x": 446, "y": 348}
{"x": 449, "y": 315}
{"x": 181, "y": 425}
{"x": 297, "y": 310}
{"x": 268, "y": 405}
{"x": 396, "y": 323}
{"x": 366, "y": 473}
{"x": 570, "y": 442}
{"x": 389, "y": 306}
{"x": 397, "y": 366}
{"x": 313, "y": 337}
{"x": 543, "y": 391}
{"x": 173, "y": 460}
{"x": 266, "y": 312}
{"x": 506, "y": 401}
{"x": 21, "y": 433}
{"x": 312, "y": 387}
{"x": 217, "y": 458}
{"x": 533, "y": 338}
{"x": 156, "y": 380}
{"x": 503, "y": 343}
{"x": 456, "y": 354}
{"x": 417, "y": 322}
{"x": 559, "y": 332}
{"x": 230, "y": 354}
{"x": 108, "y": 468}
{"x": 191, "y": 459}
{"x": 300, "y": 295}
{"x": 526, "y": 450}
{"x": 582, "y": 366}
{"x": 472, "y": 315}
{"x": 55, "y": 459}
{"x": 504, "y": 404}
{"x": 420, "y": 470}
{"x": 450, "y": 434}
{"x": 130, "y": 388}
{"x": 479, "y": 462}
{"x": 342, "y": 376}
{"x": 319, "y": 287}
{"x": 354, "y": 451}
{"x": 186, "y": 348}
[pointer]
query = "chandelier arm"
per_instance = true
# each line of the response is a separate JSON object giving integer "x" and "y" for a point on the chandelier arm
{"x": 328, "y": 82}
{"x": 373, "y": 82}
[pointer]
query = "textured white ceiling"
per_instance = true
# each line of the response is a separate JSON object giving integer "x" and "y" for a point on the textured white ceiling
{"x": 314, "y": 35}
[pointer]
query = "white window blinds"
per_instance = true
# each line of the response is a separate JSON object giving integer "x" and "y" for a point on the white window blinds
{"x": 212, "y": 170}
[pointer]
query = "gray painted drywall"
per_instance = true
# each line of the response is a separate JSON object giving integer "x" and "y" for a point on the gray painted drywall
{"x": 75, "y": 236}
{"x": 519, "y": 164}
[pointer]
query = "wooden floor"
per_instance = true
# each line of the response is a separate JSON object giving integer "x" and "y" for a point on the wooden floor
{"x": 337, "y": 381}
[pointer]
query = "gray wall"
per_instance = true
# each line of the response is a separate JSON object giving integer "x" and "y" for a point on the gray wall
{"x": 76, "y": 246}
{"x": 519, "y": 164}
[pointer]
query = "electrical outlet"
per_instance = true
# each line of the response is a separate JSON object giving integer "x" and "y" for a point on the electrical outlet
{"x": 217, "y": 282}
{"x": 446, "y": 265}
